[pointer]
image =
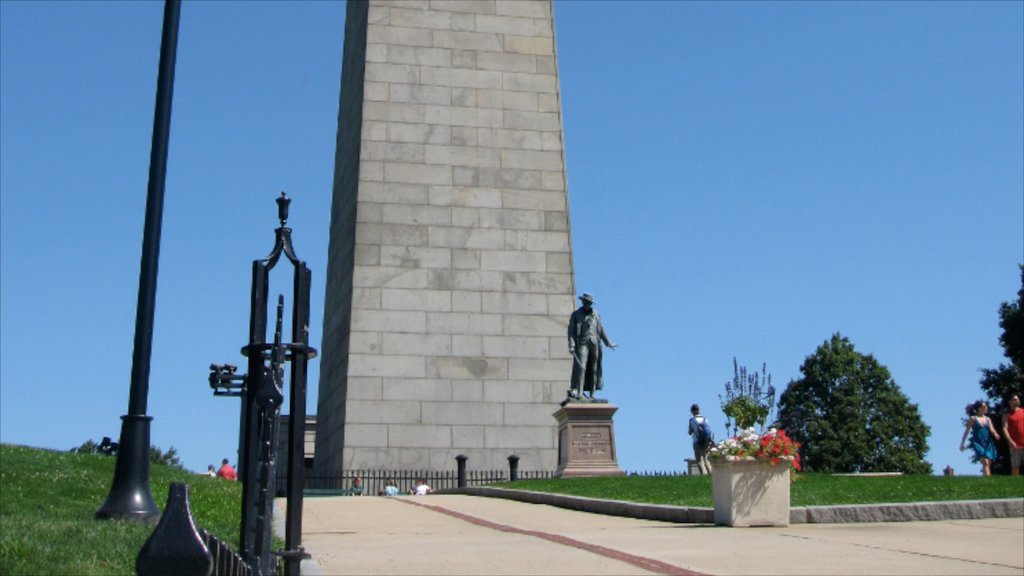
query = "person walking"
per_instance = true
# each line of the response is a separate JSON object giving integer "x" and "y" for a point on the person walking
{"x": 1013, "y": 431}
{"x": 983, "y": 436}
{"x": 700, "y": 430}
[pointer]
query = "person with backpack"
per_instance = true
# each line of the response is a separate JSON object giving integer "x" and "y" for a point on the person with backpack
{"x": 703, "y": 438}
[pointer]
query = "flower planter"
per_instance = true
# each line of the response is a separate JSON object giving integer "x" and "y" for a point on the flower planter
{"x": 750, "y": 492}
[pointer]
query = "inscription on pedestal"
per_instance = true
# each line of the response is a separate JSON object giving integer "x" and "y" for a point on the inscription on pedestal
{"x": 591, "y": 443}
{"x": 586, "y": 440}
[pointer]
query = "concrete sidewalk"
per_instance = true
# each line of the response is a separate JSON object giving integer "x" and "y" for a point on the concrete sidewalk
{"x": 460, "y": 534}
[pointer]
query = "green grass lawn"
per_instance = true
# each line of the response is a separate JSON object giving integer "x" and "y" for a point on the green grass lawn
{"x": 807, "y": 490}
{"x": 47, "y": 503}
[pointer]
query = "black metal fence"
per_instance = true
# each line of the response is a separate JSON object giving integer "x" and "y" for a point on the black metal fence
{"x": 373, "y": 481}
{"x": 648, "y": 473}
{"x": 224, "y": 560}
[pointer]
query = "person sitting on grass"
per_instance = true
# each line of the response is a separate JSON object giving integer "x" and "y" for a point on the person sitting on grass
{"x": 389, "y": 488}
{"x": 421, "y": 489}
{"x": 226, "y": 471}
{"x": 357, "y": 487}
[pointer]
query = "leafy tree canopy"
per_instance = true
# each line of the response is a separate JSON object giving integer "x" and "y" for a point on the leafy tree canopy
{"x": 169, "y": 458}
{"x": 1000, "y": 383}
{"x": 850, "y": 416}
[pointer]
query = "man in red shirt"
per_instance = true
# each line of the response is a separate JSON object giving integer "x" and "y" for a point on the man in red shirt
{"x": 1013, "y": 431}
{"x": 226, "y": 471}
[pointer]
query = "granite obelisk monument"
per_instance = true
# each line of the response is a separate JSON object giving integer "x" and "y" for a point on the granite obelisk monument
{"x": 450, "y": 273}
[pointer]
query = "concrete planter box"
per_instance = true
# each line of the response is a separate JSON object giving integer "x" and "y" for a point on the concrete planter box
{"x": 749, "y": 492}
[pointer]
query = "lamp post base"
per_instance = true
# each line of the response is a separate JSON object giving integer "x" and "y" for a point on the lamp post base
{"x": 130, "y": 497}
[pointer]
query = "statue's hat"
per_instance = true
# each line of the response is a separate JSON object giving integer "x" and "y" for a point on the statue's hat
{"x": 587, "y": 298}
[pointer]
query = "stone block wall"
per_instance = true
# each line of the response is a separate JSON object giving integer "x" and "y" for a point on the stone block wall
{"x": 450, "y": 278}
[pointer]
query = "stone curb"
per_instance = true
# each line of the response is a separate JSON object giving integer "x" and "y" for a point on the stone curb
{"x": 909, "y": 512}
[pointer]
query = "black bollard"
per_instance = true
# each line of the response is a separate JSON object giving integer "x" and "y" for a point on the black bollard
{"x": 513, "y": 468}
{"x": 461, "y": 460}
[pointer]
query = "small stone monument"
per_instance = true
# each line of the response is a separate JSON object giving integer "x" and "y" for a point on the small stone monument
{"x": 586, "y": 436}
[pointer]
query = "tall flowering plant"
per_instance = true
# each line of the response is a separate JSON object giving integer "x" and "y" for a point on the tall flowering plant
{"x": 749, "y": 398}
{"x": 773, "y": 446}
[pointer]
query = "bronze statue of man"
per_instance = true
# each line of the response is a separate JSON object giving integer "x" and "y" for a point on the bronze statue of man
{"x": 586, "y": 334}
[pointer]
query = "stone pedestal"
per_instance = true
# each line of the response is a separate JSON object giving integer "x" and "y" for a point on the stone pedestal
{"x": 693, "y": 467}
{"x": 586, "y": 440}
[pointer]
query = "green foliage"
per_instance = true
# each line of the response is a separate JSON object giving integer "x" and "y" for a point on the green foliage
{"x": 850, "y": 416}
{"x": 1011, "y": 320}
{"x": 1008, "y": 379}
{"x": 87, "y": 447}
{"x": 49, "y": 499}
{"x": 169, "y": 458}
{"x": 156, "y": 455}
{"x": 745, "y": 412}
{"x": 813, "y": 489}
{"x": 748, "y": 400}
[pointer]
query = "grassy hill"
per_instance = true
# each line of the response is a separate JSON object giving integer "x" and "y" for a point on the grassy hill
{"x": 807, "y": 490}
{"x": 47, "y": 503}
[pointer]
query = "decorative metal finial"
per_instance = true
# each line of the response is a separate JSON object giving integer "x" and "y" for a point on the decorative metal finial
{"x": 282, "y": 236}
{"x": 282, "y": 208}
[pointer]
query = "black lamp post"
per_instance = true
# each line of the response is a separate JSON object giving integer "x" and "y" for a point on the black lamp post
{"x": 130, "y": 497}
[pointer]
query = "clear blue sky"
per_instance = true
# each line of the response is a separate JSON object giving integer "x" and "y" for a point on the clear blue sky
{"x": 745, "y": 179}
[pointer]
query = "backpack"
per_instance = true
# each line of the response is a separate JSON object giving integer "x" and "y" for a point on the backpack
{"x": 705, "y": 436}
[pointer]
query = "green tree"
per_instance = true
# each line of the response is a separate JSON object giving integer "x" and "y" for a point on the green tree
{"x": 1008, "y": 379}
{"x": 850, "y": 416}
{"x": 1000, "y": 383}
{"x": 87, "y": 447}
{"x": 169, "y": 458}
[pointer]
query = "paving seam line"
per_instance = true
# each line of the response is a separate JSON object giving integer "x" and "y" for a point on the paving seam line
{"x": 656, "y": 566}
{"x": 910, "y": 552}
